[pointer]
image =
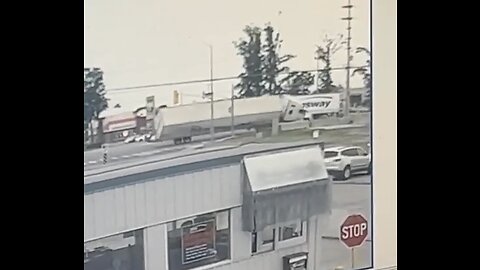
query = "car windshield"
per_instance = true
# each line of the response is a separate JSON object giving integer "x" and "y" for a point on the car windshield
{"x": 329, "y": 154}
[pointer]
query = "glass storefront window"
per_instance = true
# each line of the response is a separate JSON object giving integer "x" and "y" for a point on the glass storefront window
{"x": 119, "y": 252}
{"x": 199, "y": 240}
{"x": 290, "y": 231}
{"x": 268, "y": 239}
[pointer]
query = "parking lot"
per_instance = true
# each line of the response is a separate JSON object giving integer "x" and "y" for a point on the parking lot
{"x": 349, "y": 197}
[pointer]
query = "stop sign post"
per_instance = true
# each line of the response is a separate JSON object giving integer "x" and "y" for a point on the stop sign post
{"x": 353, "y": 232}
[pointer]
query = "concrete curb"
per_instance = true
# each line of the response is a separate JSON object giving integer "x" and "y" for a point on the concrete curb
{"x": 338, "y": 238}
{"x": 337, "y": 127}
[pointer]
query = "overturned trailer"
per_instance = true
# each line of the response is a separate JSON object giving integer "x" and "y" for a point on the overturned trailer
{"x": 181, "y": 122}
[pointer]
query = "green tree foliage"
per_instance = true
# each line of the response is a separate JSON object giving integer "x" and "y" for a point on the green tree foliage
{"x": 364, "y": 71}
{"x": 262, "y": 63}
{"x": 94, "y": 100}
{"x": 250, "y": 49}
{"x": 273, "y": 63}
{"x": 299, "y": 82}
{"x": 324, "y": 54}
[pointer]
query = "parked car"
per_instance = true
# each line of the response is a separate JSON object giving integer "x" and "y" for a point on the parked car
{"x": 141, "y": 138}
{"x": 342, "y": 161}
{"x": 130, "y": 139}
{"x": 151, "y": 138}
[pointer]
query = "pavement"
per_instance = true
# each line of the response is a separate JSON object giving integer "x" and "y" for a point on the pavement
{"x": 128, "y": 152}
{"x": 349, "y": 197}
{"x": 121, "y": 151}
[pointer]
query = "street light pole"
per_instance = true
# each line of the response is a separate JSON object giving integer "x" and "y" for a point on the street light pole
{"x": 212, "y": 129}
{"x": 233, "y": 113}
{"x": 349, "y": 28}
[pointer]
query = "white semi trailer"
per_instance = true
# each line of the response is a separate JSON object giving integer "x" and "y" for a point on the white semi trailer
{"x": 181, "y": 122}
{"x": 313, "y": 106}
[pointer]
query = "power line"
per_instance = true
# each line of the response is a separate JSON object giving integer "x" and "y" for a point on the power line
{"x": 129, "y": 89}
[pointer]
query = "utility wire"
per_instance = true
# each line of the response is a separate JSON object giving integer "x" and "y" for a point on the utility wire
{"x": 129, "y": 89}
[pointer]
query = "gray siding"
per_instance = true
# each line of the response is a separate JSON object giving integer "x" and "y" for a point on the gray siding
{"x": 147, "y": 203}
{"x": 156, "y": 256}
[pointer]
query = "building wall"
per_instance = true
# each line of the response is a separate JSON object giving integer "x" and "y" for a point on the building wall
{"x": 241, "y": 256}
{"x": 141, "y": 124}
{"x": 151, "y": 204}
{"x": 156, "y": 247}
{"x": 118, "y": 136}
{"x": 157, "y": 201}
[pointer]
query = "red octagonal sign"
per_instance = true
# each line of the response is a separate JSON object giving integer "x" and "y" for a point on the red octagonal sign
{"x": 354, "y": 231}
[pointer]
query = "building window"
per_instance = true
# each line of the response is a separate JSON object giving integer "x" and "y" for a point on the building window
{"x": 268, "y": 239}
{"x": 199, "y": 240}
{"x": 292, "y": 230}
{"x": 123, "y": 252}
{"x": 263, "y": 241}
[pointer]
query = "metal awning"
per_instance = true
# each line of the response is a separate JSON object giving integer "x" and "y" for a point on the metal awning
{"x": 284, "y": 186}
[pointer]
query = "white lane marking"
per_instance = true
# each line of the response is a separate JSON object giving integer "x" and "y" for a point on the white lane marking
{"x": 115, "y": 158}
{"x": 92, "y": 162}
{"x": 125, "y": 156}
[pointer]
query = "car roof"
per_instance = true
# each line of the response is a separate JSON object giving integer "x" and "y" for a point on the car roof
{"x": 340, "y": 148}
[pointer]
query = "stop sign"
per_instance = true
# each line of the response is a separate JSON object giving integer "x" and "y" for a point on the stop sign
{"x": 354, "y": 230}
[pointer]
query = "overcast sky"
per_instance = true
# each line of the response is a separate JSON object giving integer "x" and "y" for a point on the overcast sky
{"x": 141, "y": 42}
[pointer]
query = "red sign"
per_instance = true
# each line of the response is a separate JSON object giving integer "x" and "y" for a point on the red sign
{"x": 354, "y": 231}
{"x": 198, "y": 242}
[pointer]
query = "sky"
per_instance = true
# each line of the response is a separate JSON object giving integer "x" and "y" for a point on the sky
{"x": 142, "y": 42}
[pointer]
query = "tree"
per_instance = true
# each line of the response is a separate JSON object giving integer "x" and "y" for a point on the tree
{"x": 324, "y": 54}
{"x": 94, "y": 100}
{"x": 272, "y": 62}
{"x": 251, "y": 79}
{"x": 262, "y": 63}
{"x": 365, "y": 71}
{"x": 299, "y": 82}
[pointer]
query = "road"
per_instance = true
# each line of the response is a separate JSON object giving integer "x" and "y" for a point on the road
{"x": 349, "y": 197}
{"x": 121, "y": 151}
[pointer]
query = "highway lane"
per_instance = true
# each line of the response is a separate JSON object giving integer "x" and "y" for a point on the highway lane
{"x": 127, "y": 153}
{"x": 122, "y": 151}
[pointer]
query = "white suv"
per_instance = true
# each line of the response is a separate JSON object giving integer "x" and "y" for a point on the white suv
{"x": 342, "y": 161}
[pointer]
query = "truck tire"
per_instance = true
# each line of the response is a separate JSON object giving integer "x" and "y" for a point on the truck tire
{"x": 177, "y": 141}
{"x": 187, "y": 139}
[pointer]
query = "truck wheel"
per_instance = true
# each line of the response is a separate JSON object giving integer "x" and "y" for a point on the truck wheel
{"x": 177, "y": 141}
{"x": 187, "y": 139}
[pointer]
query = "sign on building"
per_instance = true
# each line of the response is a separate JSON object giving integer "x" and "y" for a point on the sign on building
{"x": 198, "y": 242}
{"x": 150, "y": 112}
{"x": 150, "y": 107}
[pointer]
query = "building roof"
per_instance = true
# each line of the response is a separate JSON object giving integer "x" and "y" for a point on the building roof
{"x": 285, "y": 168}
{"x": 171, "y": 164}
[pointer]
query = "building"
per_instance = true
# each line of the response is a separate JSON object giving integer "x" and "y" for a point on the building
{"x": 117, "y": 127}
{"x": 116, "y": 124}
{"x": 249, "y": 207}
{"x": 359, "y": 96}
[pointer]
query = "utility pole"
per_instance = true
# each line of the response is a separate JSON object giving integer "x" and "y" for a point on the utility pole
{"x": 318, "y": 73}
{"x": 349, "y": 29}
{"x": 233, "y": 113}
{"x": 212, "y": 129}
